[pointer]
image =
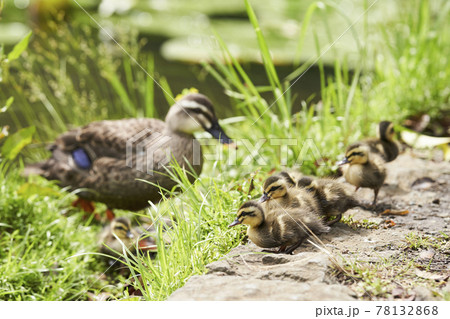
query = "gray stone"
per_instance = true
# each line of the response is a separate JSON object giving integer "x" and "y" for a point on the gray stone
{"x": 210, "y": 287}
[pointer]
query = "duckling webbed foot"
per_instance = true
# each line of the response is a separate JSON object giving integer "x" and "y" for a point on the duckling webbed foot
{"x": 334, "y": 221}
{"x": 270, "y": 251}
{"x": 291, "y": 249}
{"x": 373, "y": 206}
{"x": 280, "y": 250}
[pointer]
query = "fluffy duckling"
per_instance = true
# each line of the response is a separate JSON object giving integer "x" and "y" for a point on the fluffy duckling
{"x": 116, "y": 235}
{"x": 363, "y": 168}
{"x": 283, "y": 228}
{"x": 291, "y": 178}
{"x": 332, "y": 196}
{"x": 278, "y": 192}
{"x": 384, "y": 144}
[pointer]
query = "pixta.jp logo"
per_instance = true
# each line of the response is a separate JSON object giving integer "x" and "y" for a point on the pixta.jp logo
{"x": 145, "y": 149}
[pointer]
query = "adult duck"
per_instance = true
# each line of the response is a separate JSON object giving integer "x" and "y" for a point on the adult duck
{"x": 106, "y": 160}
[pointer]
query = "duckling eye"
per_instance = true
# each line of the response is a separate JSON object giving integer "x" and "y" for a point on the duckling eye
{"x": 120, "y": 228}
{"x": 244, "y": 214}
{"x": 355, "y": 154}
{"x": 273, "y": 188}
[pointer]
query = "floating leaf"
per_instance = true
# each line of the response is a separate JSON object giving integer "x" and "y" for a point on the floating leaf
{"x": 16, "y": 142}
{"x": 19, "y": 47}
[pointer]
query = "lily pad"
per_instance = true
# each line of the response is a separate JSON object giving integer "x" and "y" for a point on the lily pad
{"x": 11, "y": 33}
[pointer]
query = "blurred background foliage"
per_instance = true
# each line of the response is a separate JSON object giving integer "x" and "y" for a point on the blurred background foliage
{"x": 74, "y": 72}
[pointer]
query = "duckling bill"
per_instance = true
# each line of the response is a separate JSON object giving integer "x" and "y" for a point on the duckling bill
{"x": 283, "y": 228}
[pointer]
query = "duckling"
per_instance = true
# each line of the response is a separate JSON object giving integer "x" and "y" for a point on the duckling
{"x": 291, "y": 178}
{"x": 333, "y": 197}
{"x": 148, "y": 234}
{"x": 283, "y": 228}
{"x": 107, "y": 160}
{"x": 124, "y": 236}
{"x": 278, "y": 192}
{"x": 364, "y": 168}
{"x": 384, "y": 144}
{"x": 140, "y": 237}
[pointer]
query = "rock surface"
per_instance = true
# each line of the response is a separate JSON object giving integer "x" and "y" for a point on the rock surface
{"x": 413, "y": 184}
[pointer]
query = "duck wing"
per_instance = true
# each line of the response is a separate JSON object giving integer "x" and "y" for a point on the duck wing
{"x": 94, "y": 157}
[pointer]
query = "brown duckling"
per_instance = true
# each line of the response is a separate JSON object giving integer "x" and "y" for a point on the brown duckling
{"x": 116, "y": 235}
{"x": 332, "y": 196}
{"x": 291, "y": 178}
{"x": 283, "y": 228}
{"x": 384, "y": 144}
{"x": 278, "y": 192}
{"x": 363, "y": 168}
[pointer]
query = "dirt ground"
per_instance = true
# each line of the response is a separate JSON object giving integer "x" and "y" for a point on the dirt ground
{"x": 370, "y": 255}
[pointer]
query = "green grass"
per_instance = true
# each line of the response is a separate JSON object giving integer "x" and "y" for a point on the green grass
{"x": 39, "y": 242}
{"x": 417, "y": 241}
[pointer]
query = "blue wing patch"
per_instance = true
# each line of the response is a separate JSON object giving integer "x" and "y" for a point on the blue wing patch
{"x": 81, "y": 158}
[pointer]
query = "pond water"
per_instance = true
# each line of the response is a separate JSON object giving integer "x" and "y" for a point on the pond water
{"x": 180, "y": 34}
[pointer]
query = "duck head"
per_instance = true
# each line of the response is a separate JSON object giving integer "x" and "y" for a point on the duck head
{"x": 356, "y": 154}
{"x": 386, "y": 131}
{"x": 121, "y": 227}
{"x": 274, "y": 187}
{"x": 250, "y": 213}
{"x": 193, "y": 113}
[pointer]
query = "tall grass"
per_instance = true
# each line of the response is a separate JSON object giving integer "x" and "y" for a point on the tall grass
{"x": 412, "y": 74}
{"x": 68, "y": 79}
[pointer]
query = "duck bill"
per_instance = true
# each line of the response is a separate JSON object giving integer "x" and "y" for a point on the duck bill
{"x": 217, "y": 132}
{"x": 236, "y": 222}
{"x": 344, "y": 161}
{"x": 129, "y": 234}
{"x": 264, "y": 198}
